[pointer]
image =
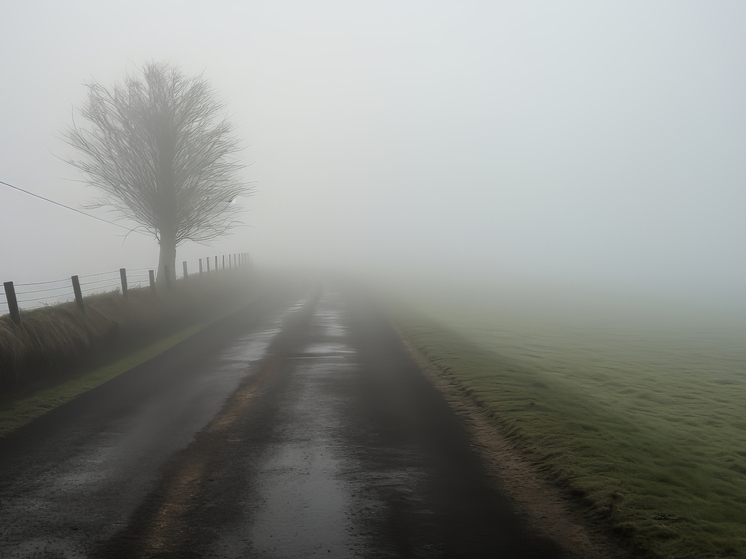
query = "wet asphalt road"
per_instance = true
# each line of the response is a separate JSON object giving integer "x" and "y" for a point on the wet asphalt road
{"x": 298, "y": 427}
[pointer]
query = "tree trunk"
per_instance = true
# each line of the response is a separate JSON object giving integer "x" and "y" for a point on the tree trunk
{"x": 167, "y": 257}
{"x": 166, "y": 192}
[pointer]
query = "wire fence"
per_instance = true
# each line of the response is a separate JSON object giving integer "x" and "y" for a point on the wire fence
{"x": 32, "y": 295}
{"x": 36, "y": 294}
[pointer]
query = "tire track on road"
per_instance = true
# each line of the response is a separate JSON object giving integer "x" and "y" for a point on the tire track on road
{"x": 165, "y": 531}
{"x": 161, "y": 525}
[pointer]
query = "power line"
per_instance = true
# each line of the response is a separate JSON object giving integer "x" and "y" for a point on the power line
{"x": 72, "y": 209}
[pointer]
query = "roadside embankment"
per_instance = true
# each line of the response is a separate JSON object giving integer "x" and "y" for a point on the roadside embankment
{"x": 54, "y": 342}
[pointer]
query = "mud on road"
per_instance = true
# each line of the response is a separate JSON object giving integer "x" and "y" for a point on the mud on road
{"x": 330, "y": 443}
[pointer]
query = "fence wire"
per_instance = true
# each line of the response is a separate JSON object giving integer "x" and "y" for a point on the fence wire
{"x": 69, "y": 286}
{"x": 100, "y": 287}
{"x": 42, "y": 299}
{"x": 95, "y": 282}
{"x": 36, "y": 294}
{"x": 41, "y": 282}
{"x": 55, "y": 292}
{"x": 99, "y": 274}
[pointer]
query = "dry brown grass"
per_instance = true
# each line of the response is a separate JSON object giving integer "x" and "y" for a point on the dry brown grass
{"x": 50, "y": 341}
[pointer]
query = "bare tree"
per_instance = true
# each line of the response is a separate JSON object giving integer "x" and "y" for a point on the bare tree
{"x": 162, "y": 155}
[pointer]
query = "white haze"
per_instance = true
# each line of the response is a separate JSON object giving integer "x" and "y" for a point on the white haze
{"x": 572, "y": 147}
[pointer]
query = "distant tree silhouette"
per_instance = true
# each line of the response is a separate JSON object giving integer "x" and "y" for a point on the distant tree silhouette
{"x": 162, "y": 155}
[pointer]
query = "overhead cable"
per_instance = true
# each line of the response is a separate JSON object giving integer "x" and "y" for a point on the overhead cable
{"x": 72, "y": 209}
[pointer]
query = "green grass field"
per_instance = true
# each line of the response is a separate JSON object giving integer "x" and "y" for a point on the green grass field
{"x": 648, "y": 422}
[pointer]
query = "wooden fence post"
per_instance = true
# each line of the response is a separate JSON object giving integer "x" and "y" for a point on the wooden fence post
{"x": 123, "y": 276}
{"x": 151, "y": 275}
{"x": 200, "y": 266}
{"x": 224, "y": 262}
{"x": 208, "y": 263}
{"x": 216, "y": 263}
{"x": 185, "y": 271}
{"x": 78, "y": 293}
{"x": 10, "y": 296}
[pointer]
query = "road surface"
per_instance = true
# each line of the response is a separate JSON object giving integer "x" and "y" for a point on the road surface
{"x": 298, "y": 427}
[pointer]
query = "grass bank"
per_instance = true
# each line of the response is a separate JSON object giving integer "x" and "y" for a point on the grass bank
{"x": 19, "y": 408}
{"x": 647, "y": 425}
{"x": 58, "y": 352}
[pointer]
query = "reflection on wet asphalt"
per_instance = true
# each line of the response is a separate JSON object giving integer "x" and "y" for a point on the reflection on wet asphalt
{"x": 75, "y": 476}
{"x": 330, "y": 443}
{"x": 351, "y": 453}
{"x": 302, "y": 501}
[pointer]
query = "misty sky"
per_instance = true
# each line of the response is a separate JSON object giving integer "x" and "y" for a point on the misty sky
{"x": 589, "y": 144}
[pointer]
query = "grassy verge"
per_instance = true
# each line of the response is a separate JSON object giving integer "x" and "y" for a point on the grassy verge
{"x": 51, "y": 342}
{"x": 45, "y": 395}
{"x": 648, "y": 426}
{"x": 59, "y": 352}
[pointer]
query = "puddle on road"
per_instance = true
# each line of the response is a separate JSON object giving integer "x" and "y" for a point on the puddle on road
{"x": 329, "y": 315}
{"x": 327, "y": 350}
{"x": 252, "y": 347}
{"x": 303, "y": 505}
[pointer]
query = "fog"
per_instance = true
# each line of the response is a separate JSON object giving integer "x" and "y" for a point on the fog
{"x": 552, "y": 148}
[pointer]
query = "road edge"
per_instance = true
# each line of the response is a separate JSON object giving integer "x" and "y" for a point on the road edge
{"x": 547, "y": 508}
